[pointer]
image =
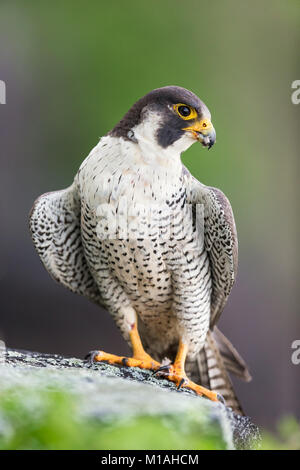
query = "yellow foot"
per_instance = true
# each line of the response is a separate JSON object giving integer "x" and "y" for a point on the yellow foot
{"x": 144, "y": 361}
{"x": 177, "y": 375}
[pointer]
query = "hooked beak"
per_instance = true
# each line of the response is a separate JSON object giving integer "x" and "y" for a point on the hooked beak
{"x": 203, "y": 131}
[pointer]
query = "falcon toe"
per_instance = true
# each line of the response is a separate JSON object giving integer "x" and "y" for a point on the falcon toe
{"x": 178, "y": 376}
{"x": 143, "y": 361}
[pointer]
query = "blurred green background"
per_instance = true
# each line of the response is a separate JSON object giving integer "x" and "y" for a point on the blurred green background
{"x": 72, "y": 69}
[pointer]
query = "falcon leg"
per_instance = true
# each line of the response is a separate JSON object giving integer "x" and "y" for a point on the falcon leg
{"x": 139, "y": 359}
{"x": 176, "y": 374}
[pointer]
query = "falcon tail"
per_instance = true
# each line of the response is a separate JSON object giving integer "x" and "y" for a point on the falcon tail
{"x": 216, "y": 359}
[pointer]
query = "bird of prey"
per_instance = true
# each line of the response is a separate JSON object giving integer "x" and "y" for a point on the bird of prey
{"x": 138, "y": 234}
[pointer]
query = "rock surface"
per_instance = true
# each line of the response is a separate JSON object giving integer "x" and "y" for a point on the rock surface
{"x": 112, "y": 394}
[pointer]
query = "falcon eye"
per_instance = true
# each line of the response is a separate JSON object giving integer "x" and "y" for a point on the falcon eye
{"x": 185, "y": 111}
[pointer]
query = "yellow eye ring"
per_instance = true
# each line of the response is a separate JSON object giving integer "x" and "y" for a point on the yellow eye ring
{"x": 184, "y": 111}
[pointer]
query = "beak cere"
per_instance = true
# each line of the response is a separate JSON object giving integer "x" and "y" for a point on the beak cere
{"x": 204, "y": 132}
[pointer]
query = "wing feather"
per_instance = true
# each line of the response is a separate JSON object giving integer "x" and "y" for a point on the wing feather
{"x": 56, "y": 233}
{"x": 220, "y": 240}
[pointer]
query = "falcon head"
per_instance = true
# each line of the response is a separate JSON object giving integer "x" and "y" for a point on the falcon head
{"x": 171, "y": 116}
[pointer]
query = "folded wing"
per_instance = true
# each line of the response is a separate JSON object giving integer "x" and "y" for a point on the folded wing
{"x": 56, "y": 234}
{"x": 220, "y": 240}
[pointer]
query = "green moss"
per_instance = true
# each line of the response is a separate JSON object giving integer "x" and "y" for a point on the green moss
{"x": 52, "y": 419}
{"x": 287, "y": 436}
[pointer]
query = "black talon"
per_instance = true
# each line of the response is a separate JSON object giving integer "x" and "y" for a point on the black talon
{"x": 221, "y": 398}
{"x": 90, "y": 357}
{"x": 182, "y": 381}
{"x": 162, "y": 369}
{"x": 125, "y": 361}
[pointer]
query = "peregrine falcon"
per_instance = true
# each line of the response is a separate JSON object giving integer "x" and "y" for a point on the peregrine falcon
{"x": 138, "y": 234}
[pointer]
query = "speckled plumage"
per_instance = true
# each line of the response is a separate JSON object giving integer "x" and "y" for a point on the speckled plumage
{"x": 171, "y": 272}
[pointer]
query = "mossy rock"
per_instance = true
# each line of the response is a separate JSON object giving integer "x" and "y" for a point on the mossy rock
{"x": 53, "y": 402}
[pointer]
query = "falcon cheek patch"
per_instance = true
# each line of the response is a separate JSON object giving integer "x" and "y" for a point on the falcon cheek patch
{"x": 170, "y": 131}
